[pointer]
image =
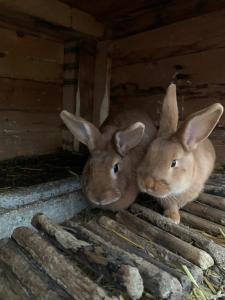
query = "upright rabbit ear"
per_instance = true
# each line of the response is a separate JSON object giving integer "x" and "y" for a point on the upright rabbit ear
{"x": 82, "y": 130}
{"x": 129, "y": 138}
{"x": 199, "y": 126}
{"x": 169, "y": 116}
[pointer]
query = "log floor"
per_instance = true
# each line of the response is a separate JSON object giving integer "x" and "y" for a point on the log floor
{"x": 133, "y": 254}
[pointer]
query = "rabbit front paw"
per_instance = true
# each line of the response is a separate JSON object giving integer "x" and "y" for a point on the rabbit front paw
{"x": 173, "y": 214}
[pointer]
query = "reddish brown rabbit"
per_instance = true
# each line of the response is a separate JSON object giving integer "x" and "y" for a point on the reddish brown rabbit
{"x": 109, "y": 177}
{"x": 179, "y": 161}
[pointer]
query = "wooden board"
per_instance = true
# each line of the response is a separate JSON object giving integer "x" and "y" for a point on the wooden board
{"x": 182, "y": 38}
{"x": 27, "y": 68}
{"x": 24, "y": 45}
{"x": 42, "y": 9}
{"x": 29, "y": 144}
{"x": 144, "y": 64}
{"x": 87, "y": 55}
{"x": 26, "y": 95}
{"x": 13, "y": 122}
{"x": 64, "y": 17}
{"x": 125, "y": 18}
{"x": 30, "y": 95}
{"x": 70, "y": 75}
{"x": 27, "y": 57}
{"x": 27, "y": 133}
{"x": 203, "y": 81}
{"x": 101, "y": 84}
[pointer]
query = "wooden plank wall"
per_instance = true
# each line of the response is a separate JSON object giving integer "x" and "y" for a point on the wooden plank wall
{"x": 30, "y": 94}
{"x": 143, "y": 66}
{"x": 70, "y": 87}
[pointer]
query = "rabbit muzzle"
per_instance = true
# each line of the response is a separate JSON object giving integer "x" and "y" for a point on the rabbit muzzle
{"x": 154, "y": 187}
{"x": 105, "y": 198}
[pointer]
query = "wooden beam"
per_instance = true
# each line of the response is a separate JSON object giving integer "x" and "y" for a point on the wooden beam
{"x": 144, "y": 64}
{"x": 101, "y": 84}
{"x": 86, "y": 78}
{"x": 63, "y": 17}
{"x": 52, "y": 11}
{"x": 181, "y": 38}
{"x": 150, "y": 15}
{"x": 86, "y": 23}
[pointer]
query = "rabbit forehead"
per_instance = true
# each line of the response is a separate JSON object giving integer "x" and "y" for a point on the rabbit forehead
{"x": 166, "y": 148}
{"x": 103, "y": 159}
{"x": 160, "y": 155}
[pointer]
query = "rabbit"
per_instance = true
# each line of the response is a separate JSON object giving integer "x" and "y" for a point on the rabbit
{"x": 109, "y": 176}
{"x": 179, "y": 160}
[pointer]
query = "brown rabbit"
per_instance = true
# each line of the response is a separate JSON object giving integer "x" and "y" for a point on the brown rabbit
{"x": 179, "y": 161}
{"x": 109, "y": 176}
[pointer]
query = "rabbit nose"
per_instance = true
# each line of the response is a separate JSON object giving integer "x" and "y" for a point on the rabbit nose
{"x": 149, "y": 183}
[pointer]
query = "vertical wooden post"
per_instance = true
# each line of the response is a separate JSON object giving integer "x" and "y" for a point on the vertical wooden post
{"x": 85, "y": 95}
{"x": 70, "y": 88}
{"x": 101, "y": 83}
{"x": 87, "y": 58}
{"x": 86, "y": 84}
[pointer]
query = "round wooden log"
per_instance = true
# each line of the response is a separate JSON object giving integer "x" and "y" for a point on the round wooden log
{"x": 10, "y": 287}
{"x": 212, "y": 200}
{"x": 171, "y": 242}
{"x": 58, "y": 267}
{"x": 216, "y": 185}
{"x": 64, "y": 238}
{"x": 201, "y": 224}
{"x": 30, "y": 277}
{"x": 206, "y": 212}
{"x": 156, "y": 281}
{"x": 151, "y": 248}
{"x": 126, "y": 276}
{"x": 185, "y": 233}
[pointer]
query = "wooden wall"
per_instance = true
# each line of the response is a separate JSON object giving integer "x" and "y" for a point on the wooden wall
{"x": 143, "y": 66}
{"x": 30, "y": 94}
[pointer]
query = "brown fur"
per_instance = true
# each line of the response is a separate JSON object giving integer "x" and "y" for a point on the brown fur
{"x": 189, "y": 146}
{"x": 120, "y": 140}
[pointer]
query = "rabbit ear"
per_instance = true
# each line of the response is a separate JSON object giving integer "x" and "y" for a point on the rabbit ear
{"x": 129, "y": 138}
{"x": 199, "y": 126}
{"x": 82, "y": 130}
{"x": 169, "y": 116}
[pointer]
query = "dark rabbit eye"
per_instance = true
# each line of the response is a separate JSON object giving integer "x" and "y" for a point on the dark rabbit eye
{"x": 173, "y": 163}
{"x": 116, "y": 168}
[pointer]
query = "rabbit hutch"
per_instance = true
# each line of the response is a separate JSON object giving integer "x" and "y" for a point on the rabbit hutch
{"x": 95, "y": 58}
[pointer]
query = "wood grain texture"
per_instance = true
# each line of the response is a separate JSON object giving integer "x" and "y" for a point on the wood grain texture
{"x": 30, "y": 95}
{"x": 26, "y": 95}
{"x": 42, "y": 9}
{"x": 87, "y": 55}
{"x": 101, "y": 84}
{"x": 29, "y": 118}
{"x": 18, "y": 44}
{"x": 125, "y": 18}
{"x": 28, "y": 57}
{"x": 64, "y": 16}
{"x": 144, "y": 64}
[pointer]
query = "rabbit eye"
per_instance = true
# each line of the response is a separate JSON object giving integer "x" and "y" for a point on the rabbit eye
{"x": 173, "y": 163}
{"x": 116, "y": 168}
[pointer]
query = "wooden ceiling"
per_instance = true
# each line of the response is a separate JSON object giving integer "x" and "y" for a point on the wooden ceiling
{"x": 100, "y": 19}
{"x": 126, "y": 17}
